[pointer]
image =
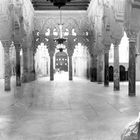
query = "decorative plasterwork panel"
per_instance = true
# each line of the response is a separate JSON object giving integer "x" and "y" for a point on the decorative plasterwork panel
{"x": 70, "y": 19}
{"x": 77, "y": 21}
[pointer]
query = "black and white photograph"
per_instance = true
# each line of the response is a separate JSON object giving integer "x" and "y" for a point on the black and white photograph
{"x": 69, "y": 69}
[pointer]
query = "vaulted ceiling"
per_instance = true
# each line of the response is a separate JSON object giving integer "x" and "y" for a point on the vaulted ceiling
{"x": 72, "y": 5}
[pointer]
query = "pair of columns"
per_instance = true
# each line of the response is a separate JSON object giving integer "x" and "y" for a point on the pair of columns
{"x": 52, "y": 68}
{"x": 131, "y": 69}
{"x": 116, "y": 71}
{"x": 8, "y": 71}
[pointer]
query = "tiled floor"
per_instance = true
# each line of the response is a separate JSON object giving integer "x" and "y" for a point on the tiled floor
{"x": 77, "y": 110}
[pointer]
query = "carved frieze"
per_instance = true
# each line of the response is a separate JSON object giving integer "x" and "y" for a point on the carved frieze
{"x": 75, "y": 24}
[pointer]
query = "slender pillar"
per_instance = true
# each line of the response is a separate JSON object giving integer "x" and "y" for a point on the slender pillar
{"x": 18, "y": 71}
{"x": 51, "y": 68}
{"x": 7, "y": 76}
{"x": 106, "y": 68}
{"x": 34, "y": 66}
{"x": 91, "y": 68}
{"x": 94, "y": 68}
{"x": 70, "y": 50}
{"x": 88, "y": 70}
{"x": 70, "y": 68}
{"x": 99, "y": 69}
{"x": 132, "y": 66}
{"x": 116, "y": 68}
{"x": 25, "y": 66}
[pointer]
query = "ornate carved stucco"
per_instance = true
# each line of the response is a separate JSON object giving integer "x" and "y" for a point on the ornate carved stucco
{"x": 70, "y": 19}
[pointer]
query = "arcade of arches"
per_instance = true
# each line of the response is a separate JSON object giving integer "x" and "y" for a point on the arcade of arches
{"x": 101, "y": 48}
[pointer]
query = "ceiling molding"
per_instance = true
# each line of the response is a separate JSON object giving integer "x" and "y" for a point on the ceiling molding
{"x": 73, "y": 5}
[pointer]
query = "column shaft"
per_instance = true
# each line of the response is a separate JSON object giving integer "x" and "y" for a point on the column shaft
{"x": 106, "y": 68}
{"x": 91, "y": 69}
{"x": 70, "y": 69}
{"x": 18, "y": 70}
{"x": 94, "y": 68}
{"x": 25, "y": 65}
{"x": 7, "y": 77}
{"x": 34, "y": 66}
{"x": 99, "y": 69}
{"x": 132, "y": 69}
{"x": 51, "y": 69}
{"x": 116, "y": 68}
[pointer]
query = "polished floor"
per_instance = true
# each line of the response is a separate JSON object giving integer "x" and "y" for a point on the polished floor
{"x": 63, "y": 110}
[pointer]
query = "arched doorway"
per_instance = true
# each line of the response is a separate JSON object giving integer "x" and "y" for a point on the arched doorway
{"x": 81, "y": 61}
{"x": 42, "y": 61}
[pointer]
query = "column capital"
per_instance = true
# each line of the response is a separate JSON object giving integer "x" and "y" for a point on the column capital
{"x": 6, "y": 44}
{"x": 17, "y": 46}
{"x": 100, "y": 52}
{"x": 70, "y": 49}
{"x": 70, "y": 52}
{"x": 51, "y": 53}
{"x": 132, "y": 35}
{"x": 116, "y": 42}
{"x": 107, "y": 48}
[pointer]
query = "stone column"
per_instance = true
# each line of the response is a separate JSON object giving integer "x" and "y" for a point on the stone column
{"x": 70, "y": 50}
{"x": 34, "y": 66}
{"x": 132, "y": 65}
{"x": 70, "y": 68}
{"x": 25, "y": 65}
{"x": 33, "y": 50}
{"x": 116, "y": 67}
{"x": 51, "y": 68}
{"x": 99, "y": 68}
{"x": 88, "y": 69}
{"x": 7, "y": 77}
{"x": 106, "y": 67}
{"x": 18, "y": 71}
{"x": 93, "y": 70}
